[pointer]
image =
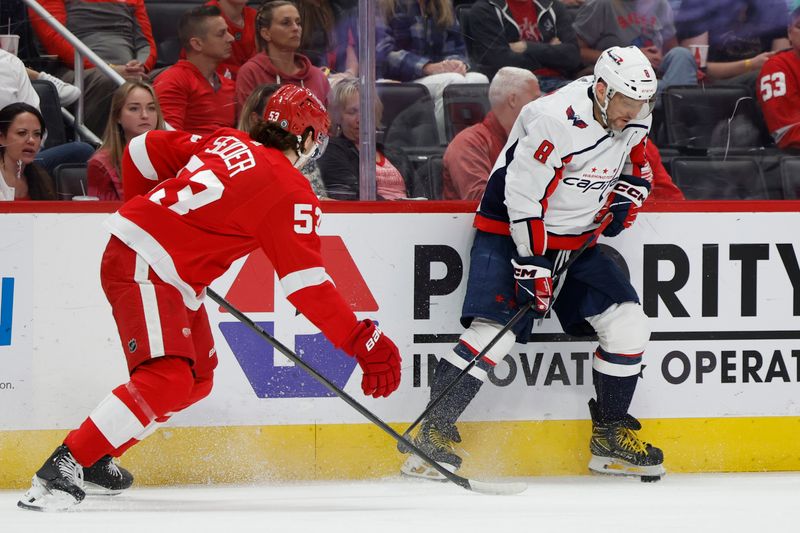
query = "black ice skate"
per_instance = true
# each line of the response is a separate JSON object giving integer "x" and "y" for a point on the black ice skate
{"x": 438, "y": 444}
{"x": 57, "y": 485}
{"x": 106, "y": 478}
{"x": 617, "y": 450}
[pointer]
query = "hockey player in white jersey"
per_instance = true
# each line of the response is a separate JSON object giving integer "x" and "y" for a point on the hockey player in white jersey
{"x": 571, "y": 158}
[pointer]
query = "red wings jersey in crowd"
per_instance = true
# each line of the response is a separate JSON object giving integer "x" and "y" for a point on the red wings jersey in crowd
{"x": 228, "y": 196}
{"x": 779, "y": 96}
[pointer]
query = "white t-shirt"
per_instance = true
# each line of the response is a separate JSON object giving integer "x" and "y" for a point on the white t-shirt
{"x": 6, "y": 191}
{"x": 15, "y": 86}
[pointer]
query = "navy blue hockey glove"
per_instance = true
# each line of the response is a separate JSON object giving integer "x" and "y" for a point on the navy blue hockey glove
{"x": 623, "y": 203}
{"x": 534, "y": 282}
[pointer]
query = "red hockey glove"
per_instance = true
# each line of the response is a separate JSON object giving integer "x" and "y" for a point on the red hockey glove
{"x": 534, "y": 282}
{"x": 623, "y": 203}
{"x": 378, "y": 357}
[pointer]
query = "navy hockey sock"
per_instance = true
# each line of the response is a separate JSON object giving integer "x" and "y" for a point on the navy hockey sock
{"x": 614, "y": 395}
{"x": 453, "y": 405}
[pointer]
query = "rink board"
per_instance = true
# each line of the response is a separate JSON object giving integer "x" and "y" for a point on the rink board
{"x": 719, "y": 388}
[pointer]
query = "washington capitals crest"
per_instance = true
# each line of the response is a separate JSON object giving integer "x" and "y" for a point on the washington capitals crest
{"x": 575, "y": 118}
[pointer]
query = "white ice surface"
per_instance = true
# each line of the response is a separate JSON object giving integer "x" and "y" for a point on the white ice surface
{"x": 726, "y": 503}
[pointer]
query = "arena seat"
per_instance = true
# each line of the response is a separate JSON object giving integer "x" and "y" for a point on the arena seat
{"x": 431, "y": 173}
{"x": 70, "y": 180}
{"x": 50, "y": 106}
{"x": 736, "y": 178}
{"x": 697, "y": 118}
{"x": 465, "y": 104}
{"x": 408, "y": 115}
{"x": 790, "y": 177}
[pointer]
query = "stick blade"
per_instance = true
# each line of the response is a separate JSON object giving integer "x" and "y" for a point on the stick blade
{"x": 497, "y": 489}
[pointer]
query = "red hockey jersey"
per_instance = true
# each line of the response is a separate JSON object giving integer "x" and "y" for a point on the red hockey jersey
{"x": 779, "y": 96}
{"x": 232, "y": 195}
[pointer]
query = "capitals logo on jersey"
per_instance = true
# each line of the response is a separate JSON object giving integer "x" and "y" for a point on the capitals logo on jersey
{"x": 577, "y": 121}
{"x": 253, "y": 291}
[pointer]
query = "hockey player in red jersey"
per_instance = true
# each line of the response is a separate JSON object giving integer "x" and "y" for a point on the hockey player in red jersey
{"x": 236, "y": 192}
{"x": 571, "y": 158}
{"x": 779, "y": 90}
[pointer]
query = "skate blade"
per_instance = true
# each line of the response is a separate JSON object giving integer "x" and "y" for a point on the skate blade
{"x": 92, "y": 489}
{"x": 40, "y": 498}
{"x": 618, "y": 467}
{"x": 418, "y": 468}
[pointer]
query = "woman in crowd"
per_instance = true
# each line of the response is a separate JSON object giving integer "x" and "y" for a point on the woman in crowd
{"x": 394, "y": 176}
{"x": 422, "y": 42}
{"x": 253, "y": 111}
{"x": 134, "y": 110}
{"x": 21, "y": 131}
{"x": 329, "y": 35}
{"x": 278, "y": 34}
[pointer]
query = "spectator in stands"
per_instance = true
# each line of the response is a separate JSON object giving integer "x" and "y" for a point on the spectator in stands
{"x": 779, "y": 90}
{"x": 241, "y": 21}
{"x": 21, "y": 131}
{"x": 15, "y": 86}
{"x": 469, "y": 158}
{"x": 329, "y": 36}
{"x": 253, "y": 108}
{"x": 395, "y": 178}
{"x": 535, "y": 35}
{"x": 118, "y": 31}
{"x": 15, "y": 83}
{"x": 253, "y": 111}
{"x": 741, "y": 35}
{"x": 134, "y": 110}
{"x": 421, "y": 41}
{"x": 192, "y": 94}
{"x": 647, "y": 24}
{"x": 278, "y": 35}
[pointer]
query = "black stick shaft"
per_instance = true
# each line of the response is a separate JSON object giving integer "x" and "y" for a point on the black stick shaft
{"x": 349, "y": 400}
{"x": 516, "y": 318}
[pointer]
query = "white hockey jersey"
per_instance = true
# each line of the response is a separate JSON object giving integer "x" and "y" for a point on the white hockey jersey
{"x": 557, "y": 170}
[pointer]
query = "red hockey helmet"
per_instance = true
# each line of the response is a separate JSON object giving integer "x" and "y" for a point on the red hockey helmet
{"x": 295, "y": 109}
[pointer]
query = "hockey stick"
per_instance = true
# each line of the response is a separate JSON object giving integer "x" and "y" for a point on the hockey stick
{"x": 516, "y": 318}
{"x": 482, "y": 487}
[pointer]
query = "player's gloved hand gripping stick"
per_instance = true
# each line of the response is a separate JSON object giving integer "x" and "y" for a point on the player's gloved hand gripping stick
{"x": 378, "y": 379}
{"x": 516, "y": 318}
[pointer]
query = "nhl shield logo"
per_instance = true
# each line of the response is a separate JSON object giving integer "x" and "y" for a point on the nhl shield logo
{"x": 132, "y": 345}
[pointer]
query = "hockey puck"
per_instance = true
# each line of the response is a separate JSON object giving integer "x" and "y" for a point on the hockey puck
{"x": 650, "y": 479}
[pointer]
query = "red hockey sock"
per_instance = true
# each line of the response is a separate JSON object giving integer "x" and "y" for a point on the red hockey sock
{"x": 157, "y": 388}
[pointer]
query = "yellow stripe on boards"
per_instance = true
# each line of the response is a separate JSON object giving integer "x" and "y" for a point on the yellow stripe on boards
{"x": 246, "y": 454}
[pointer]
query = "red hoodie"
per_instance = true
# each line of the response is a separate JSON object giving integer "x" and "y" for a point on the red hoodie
{"x": 190, "y": 103}
{"x": 259, "y": 70}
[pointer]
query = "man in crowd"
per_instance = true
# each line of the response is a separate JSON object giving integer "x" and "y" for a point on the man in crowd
{"x": 469, "y": 158}
{"x": 192, "y": 94}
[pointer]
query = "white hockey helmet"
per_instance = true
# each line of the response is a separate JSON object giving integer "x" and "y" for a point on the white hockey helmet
{"x": 627, "y": 71}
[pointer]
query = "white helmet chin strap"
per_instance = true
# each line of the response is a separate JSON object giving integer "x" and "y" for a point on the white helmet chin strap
{"x": 604, "y": 106}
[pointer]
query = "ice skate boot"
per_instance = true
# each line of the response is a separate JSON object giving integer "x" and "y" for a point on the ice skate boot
{"x": 57, "y": 485}
{"x": 617, "y": 450}
{"x": 106, "y": 478}
{"x": 438, "y": 444}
